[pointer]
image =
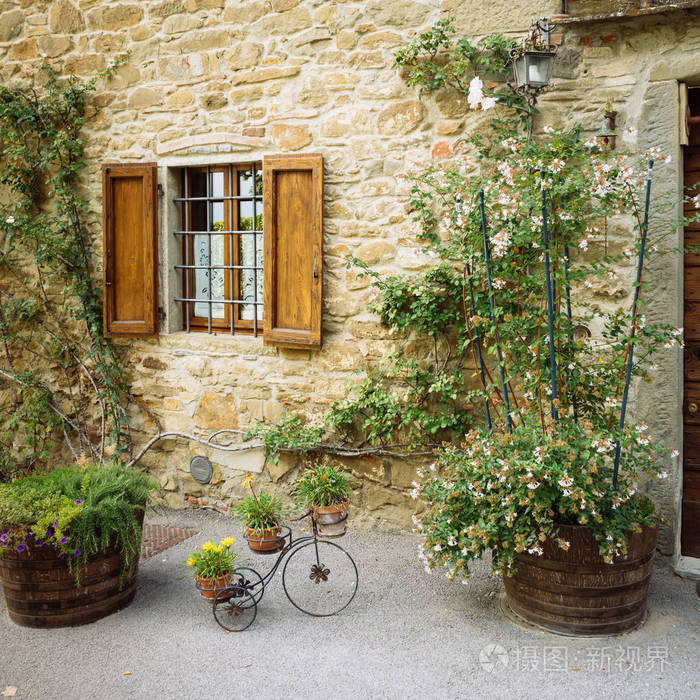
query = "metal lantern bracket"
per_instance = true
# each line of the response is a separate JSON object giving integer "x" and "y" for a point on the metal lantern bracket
{"x": 532, "y": 63}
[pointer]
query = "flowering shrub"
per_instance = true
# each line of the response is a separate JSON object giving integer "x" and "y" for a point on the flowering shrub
{"x": 213, "y": 560}
{"x": 77, "y": 511}
{"x": 508, "y": 493}
{"x": 553, "y": 318}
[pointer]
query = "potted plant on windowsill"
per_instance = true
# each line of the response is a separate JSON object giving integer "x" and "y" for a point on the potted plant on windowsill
{"x": 70, "y": 542}
{"x": 262, "y": 515}
{"x": 212, "y": 566}
{"x": 326, "y": 490}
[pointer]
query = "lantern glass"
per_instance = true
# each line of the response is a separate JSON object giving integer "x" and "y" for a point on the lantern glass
{"x": 533, "y": 69}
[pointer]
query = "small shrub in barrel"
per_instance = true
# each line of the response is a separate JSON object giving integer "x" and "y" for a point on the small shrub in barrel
{"x": 70, "y": 542}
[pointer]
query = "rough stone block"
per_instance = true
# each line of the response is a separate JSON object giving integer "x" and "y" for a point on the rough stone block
{"x": 64, "y": 18}
{"x": 285, "y": 23}
{"x": 53, "y": 46}
{"x": 11, "y": 24}
{"x": 290, "y": 137}
{"x": 262, "y": 74}
{"x": 400, "y": 118}
{"x": 216, "y": 411}
{"x": 144, "y": 97}
{"x": 115, "y": 17}
{"x": 243, "y": 55}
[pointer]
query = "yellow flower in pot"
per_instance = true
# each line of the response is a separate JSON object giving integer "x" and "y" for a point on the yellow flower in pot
{"x": 212, "y": 566}
{"x": 326, "y": 490}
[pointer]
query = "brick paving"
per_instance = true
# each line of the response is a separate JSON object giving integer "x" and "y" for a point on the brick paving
{"x": 158, "y": 538}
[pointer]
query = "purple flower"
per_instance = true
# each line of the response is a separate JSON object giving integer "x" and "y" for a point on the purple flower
{"x": 77, "y": 553}
{"x": 21, "y": 547}
{"x": 77, "y": 501}
{"x": 55, "y": 524}
{"x": 63, "y": 540}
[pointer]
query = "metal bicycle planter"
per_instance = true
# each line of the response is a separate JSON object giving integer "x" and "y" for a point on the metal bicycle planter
{"x": 318, "y": 577}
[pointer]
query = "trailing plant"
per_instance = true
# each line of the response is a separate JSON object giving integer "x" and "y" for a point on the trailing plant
{"x": 260, "y": 512}
{"x": 322, "y": 485}
{"x": 292, "y": 433}
{"x": 56, "y": 368}
{"x": 213, "y": 560}
{"x": 80, "y": 511}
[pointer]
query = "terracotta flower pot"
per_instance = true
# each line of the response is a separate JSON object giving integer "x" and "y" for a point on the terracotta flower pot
{"x": 575, "y": 592}
{"x": 265, "y": 542}
{"x": 331, "y": 520}
{"x": 209, "y": 587}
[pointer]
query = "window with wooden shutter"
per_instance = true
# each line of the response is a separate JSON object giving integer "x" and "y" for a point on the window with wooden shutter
{"x": 293, "y": 238}
{"x": 130, "y": 249}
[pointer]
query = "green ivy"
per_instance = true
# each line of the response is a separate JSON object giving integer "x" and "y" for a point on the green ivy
{"x": 55, "y": 363}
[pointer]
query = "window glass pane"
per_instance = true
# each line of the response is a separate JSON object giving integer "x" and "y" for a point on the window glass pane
{"x": 245, "y": 182}
{"x": 198, "y": 184}
{"x": 260, "y": 279}
{"x": 217, "y": 184}
{"x": 247, "y": 291}
{"x": 258, "y": 182}
{"x": 203, "y": 278}
{"x": 245, "y": 216}
{"x": 217, "y": 216}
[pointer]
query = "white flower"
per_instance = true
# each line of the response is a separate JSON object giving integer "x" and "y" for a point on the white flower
{"x": 452, "y": 542}
{"x": 488, "y": 103}
{"x": 642, "y": 427}
{"x": 643, "y": 440}
{"x": 611, "y": 402}
{"x": 629, "y": 135}
{"x": 428, "y": 570}
{"x": 674, "y": 454}
{"x": 437, "y": 547}
{"x": 548, "y": 129}
{"x": 536, "y": 550}
{"x": 588, "y": 284}
{"x": 583, "y": 243}
{"x": 591, "y": 143}
{"x": 661, "y": 475}
{"x": 696, "y": 201}
{"x": 557, "y": 165}
{"x": 529, "y": 396}
{"x": 10, "y": 220}
{"x": 499, "y": 283}
{"x": 533, "y": 485}
{"x": 565, "y": 481}
{"x": 476, "y": 94}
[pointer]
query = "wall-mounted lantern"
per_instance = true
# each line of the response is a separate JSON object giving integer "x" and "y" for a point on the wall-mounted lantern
{"x": 532, "y": 63}
{"x": 607, "y": 134}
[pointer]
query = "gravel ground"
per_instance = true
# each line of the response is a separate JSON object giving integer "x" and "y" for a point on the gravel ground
{"x": 406, "y": 635}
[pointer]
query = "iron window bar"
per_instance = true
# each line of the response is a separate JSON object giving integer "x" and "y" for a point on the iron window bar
{"x": 218, "y": 199}
{"x": 217, "y": 267}
{"x": 216, "y": 233}
{"x": 209, "y": 199}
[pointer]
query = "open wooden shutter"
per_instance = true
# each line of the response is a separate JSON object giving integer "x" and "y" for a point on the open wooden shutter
{"x": 293, "y": 233}
{"x": 130, "y": 200}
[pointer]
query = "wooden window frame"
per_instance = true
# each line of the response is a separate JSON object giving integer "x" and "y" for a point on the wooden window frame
{"x": 232, "y": 251}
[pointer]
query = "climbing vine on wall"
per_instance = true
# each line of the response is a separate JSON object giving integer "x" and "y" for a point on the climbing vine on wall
{"x": 60, "y": 379}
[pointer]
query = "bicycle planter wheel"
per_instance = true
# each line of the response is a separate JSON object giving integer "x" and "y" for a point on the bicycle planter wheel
{"x": 235, "y": 609}
{"x": 320, "y": 578}
{"x": 250, "y": 580}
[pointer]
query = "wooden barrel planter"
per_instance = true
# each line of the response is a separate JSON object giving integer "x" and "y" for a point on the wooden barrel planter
{"x": 575, "y": 592}
{"x": 40, "y": 591}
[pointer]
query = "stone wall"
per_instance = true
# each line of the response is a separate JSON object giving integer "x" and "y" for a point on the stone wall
{"x": 210, "y": 81}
